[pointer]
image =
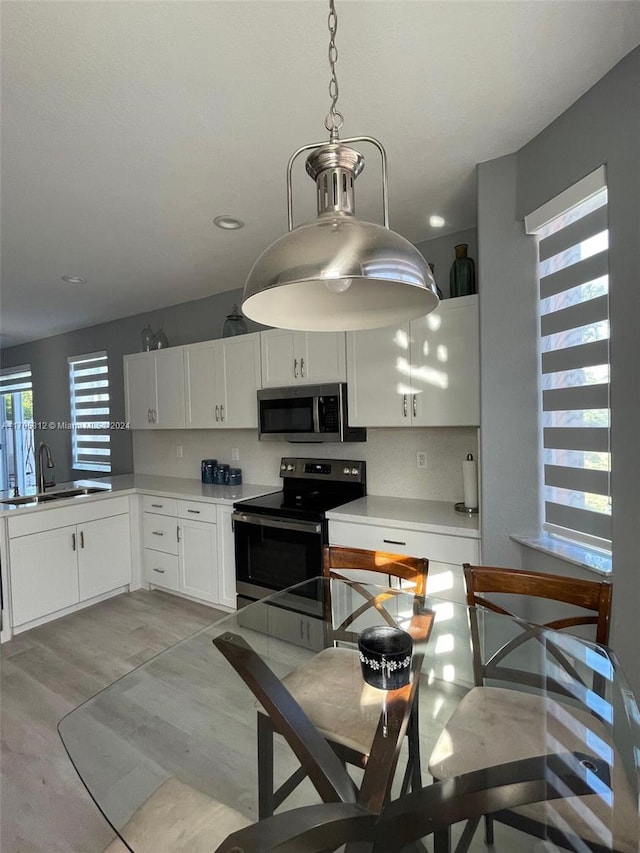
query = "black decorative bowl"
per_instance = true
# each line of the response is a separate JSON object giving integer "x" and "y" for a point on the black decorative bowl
{"x": 385, "y": 657}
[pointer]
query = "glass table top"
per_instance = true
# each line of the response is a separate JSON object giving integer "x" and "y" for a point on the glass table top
{"x": 183, "y": 725}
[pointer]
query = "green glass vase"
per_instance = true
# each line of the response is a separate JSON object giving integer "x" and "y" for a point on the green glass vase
{"x": 462, "y": 278}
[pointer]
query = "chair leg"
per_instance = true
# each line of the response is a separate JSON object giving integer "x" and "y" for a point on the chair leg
{"x": 265, "y": 767}
{"x": 414, "y": 746}
{"x": 442, "y": 841}
{"x": 488, "y": 829}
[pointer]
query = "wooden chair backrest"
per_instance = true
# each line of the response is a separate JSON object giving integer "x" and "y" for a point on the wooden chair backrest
{"x": 592, "y": 596}
{"x": 338, "y": 561}
{"x": 592, "y": 599}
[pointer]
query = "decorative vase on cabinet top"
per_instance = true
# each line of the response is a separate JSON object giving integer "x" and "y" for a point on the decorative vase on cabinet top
{"x": 462, "y": 278}
{"x": 234, "y": 324}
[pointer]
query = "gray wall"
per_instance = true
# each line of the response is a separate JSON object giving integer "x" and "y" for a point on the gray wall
{"x": 602, "y": 127}
{"x": 186, "y": 323}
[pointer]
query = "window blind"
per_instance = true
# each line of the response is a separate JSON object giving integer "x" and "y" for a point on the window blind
{"x": 89, "y": 396}
{"x": 575, "y": 375}
{"x": 15, "y": 379}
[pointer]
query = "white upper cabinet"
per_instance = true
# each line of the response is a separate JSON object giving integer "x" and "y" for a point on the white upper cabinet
{"x": 302, "y": 358}
{"x": 445, "y": 354}
{"x": 169, "y": 411}
{"x": 221, "y": 379}
{"x": 154, "y": 389}
{"x": 140, "y": 389}
{"x": 423, "y": 373}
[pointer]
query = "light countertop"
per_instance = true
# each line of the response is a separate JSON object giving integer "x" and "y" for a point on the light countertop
{"x": 121, "y": 484}
{"x": 424, "y": 516}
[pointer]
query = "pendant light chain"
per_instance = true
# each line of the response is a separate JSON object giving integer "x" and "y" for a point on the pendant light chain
{"x": 334, "y": 120}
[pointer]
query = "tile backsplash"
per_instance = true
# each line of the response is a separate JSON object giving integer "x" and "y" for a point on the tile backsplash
{"x": 390, "y": 455}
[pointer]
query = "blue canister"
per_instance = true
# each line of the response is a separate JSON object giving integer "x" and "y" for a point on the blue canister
{"x": 220, "y": 474}
{"x": 235, "y": 476}
{"x": 208, "y": 470}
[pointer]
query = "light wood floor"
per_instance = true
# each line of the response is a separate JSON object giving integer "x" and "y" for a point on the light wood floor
{"x": 47, "y": 672}
{"x": 50, "y": 670}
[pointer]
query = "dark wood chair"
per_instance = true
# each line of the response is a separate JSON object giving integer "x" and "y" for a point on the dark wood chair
{"x": 329, "y": 688}
{"x": 518, "y": 710}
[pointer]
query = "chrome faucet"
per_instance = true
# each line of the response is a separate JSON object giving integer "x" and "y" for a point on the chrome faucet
{"x": 44, "y": 455}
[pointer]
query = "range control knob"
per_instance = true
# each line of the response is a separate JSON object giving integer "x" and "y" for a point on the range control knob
{"x": 283, "y": 467}
{"x": 290, "y": 467}
{"x": 355, "y": 472}
{"x": 346, "y": 470}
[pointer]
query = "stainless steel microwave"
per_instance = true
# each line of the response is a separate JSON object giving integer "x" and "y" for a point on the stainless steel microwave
{"x": 306, "y": 413}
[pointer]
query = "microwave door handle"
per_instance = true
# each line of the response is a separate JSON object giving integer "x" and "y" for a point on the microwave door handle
{"x": 281, "y": 523}
{"x": 316, "y": 413}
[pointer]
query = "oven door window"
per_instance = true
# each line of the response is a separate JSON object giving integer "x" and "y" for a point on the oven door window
{"x": 275, "y": 556}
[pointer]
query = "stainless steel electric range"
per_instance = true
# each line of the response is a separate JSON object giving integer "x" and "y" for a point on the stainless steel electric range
{"x": 279, "y": 536}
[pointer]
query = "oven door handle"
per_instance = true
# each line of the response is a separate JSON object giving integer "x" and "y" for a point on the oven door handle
{"x": 281, "y": 523}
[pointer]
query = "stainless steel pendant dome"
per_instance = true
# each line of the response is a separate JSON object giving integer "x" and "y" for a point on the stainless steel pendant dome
{"x": 338, "y": 272}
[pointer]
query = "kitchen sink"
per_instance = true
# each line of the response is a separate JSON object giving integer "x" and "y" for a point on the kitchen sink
{"x": 44, "y": 497}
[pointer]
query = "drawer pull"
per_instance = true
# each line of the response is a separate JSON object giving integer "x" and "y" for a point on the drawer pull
{"x": 157, "y": 533}
{"x": 157, "y": 506}
{"x": 394, "y": 542}
{"x": 159, "y": 571}
{"x": 194, "y": 511}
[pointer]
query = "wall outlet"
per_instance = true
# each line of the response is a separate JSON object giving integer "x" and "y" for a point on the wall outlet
{"x": 235, "y": 454}
{"x": 421, "y": 459}
{"x": 178, "y": 451}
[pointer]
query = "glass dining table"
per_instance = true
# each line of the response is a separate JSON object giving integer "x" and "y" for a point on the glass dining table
{"x": 169, "y": 751}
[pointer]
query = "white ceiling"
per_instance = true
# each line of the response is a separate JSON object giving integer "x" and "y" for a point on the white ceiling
{"x": 128, "y": 126}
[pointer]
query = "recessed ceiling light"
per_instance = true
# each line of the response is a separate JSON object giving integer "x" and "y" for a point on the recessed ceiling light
{"x": 229, "y": 223}
{"x": 436, "y": 221}
{"x": 74, "y": 279}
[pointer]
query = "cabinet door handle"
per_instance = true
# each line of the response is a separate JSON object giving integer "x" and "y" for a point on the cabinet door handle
{"x": 157, "y": 506}
{"x": 148, "y": 416}
{"x": 157, "y": 533}
{"x": 178, "y": 534}
{"x": 404, "y": 405}
{"x": 415, "y": 405}
{"x": 302, "y": 367}
{"x": 82, "y": 538}
{"x": 295, "y": 368}
{"x": 155, "y": 416}
{"x": 394, "y": 542}
{"x": 194, "y": 511}
{"x": 217, "y": 413}
{"x": 73, "y": 541}
{"x": 301, "y": 630}
{"x": 159, "y": 571}
{"x": 222, "y": 411}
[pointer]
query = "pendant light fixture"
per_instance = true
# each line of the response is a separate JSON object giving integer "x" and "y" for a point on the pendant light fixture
{"x": 338, "y": 272}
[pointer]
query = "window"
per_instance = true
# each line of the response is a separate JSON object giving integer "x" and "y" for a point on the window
{"x": 17, "y": 460}
{"x": 89, "y": 392}
{"x": 574, "y": 363}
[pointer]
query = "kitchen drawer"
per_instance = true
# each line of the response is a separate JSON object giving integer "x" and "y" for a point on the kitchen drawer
{"x": 414, "y": 543}
{"x": 160, "y": 532}
{"x": 197, "y": 511}
{"x": 161, "y": 569}
{"x": 161, "y": 506}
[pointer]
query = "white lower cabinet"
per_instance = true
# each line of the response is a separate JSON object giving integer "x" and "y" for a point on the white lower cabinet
{"x": 181, "y": 547}
{"x": 64, "y": 556}
{"x": 104, "y": 555}
{"x": 198, "y": 560}
{"x": 44, "y": 574}
{"x": 446, "y": 554}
